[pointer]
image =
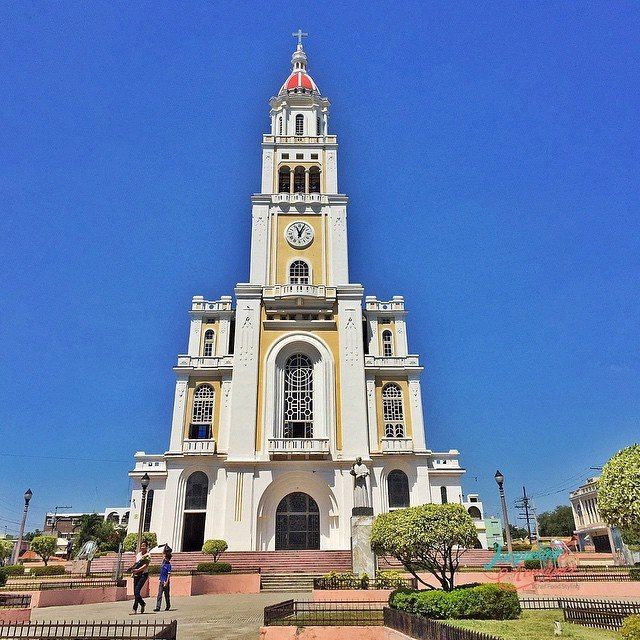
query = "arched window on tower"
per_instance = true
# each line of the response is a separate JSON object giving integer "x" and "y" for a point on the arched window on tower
{"x": 202, "y": 413}
{"x": 392, "y": 411}
{"x": 443, "y": 495}
{"x": 209, "y": 342}
{"x": 298, "y": 397}
{"x": 314, "y": 180}
{"x": 298, "y": 180}
{"x": 299, "y": 272}
{"x": 299, "y": 124}
{"x": 398, "y": 489}
{"x": 284, "y": 180}
{"x": 318, "y": 127}
{"x": 280, "y": 126}
{"x": 475, "y": 513}
{"x": 387, "y": 343}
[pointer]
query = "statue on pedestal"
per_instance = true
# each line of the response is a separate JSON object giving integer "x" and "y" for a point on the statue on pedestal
{"x": 360, "y": 492}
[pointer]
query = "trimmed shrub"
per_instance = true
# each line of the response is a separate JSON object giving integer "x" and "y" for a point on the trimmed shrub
{"x": 631, "y": 628}
{"x": 634, "y": 573}
{"x": 481, "y": 602}
{"x": 131, "y": 540}
{"x": 532, "y": 564}
{"x": 215, "y": 548}
{"x": 521, "y": 546}
{"x": 3, "y": 577}
{"x": 51, "y": 570}
{"x": 389, "y": 579}
{"x": 13, "y": 569}
{"x": 213, "y": 567}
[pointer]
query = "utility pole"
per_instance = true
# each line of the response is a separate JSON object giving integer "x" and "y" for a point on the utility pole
{"x": 55, "y": 515}
{"x": 523, "y": 504}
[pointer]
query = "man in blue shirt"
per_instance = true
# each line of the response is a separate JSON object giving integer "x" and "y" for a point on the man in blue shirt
{"x": 165, "y": 575}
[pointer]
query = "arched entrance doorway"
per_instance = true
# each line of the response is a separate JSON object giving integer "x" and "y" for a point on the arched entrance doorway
{"x": 297, "y": 522}
{"x": 195, "y": 511}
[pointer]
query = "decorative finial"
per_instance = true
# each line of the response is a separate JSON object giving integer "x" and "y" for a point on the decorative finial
{"x": 300, "y": 34}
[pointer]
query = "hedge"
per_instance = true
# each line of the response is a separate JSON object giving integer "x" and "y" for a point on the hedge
{"x": 13, "y": 569}
{"x": 213, "y": 567}
{"x": 51, "y": 570}
{"x": 634, "y": 573}
{"x": 480, "y": 602}
{"x": 631, "y": 628}
{"x": 3, "y": 577}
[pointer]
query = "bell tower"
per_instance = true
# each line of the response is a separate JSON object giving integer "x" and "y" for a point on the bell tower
{"x": 299, "y": 232}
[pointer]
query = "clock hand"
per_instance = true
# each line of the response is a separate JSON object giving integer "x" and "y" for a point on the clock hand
{"x": 300, "y": 229}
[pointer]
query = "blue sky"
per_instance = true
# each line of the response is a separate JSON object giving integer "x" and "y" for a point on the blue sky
{"x": 490, "y": 151}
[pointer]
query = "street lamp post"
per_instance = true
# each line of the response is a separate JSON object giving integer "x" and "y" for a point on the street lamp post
{"x": 144, "y": 483}
{"x": 16, "y": 552}
{"x": 499, "y": 478}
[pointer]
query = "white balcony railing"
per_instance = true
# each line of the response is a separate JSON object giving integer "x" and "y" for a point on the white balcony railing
{"x": 205, "y": 362}
{"x": 199, "y": 446}
{"x": 297, "y": 290}
{"x": 299, "y": 446}
{"x": 306, "y": 198}
{"x": 392, "y": 362}
{"x": 397, "y": 445}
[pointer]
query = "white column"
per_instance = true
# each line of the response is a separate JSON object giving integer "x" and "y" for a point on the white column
{"x": 222, "y": 343}
{"x": 268, "y": 164}
{"x": 332, "y": 171}
{"x": 195, "y": 329}
{"x": 374, "y": 342}
{"x": 179, "y": 406}
{"x": 402, "y": 348}
{"x": 355, "y": 432}
{"x": 259, "y": 240}
{"x": 417, "y": 418}
{"x": 338, "y": 271}
{"x": 245, "y": 373}
{"x": 225, "y": 414}
{"x": 372, "y": 414}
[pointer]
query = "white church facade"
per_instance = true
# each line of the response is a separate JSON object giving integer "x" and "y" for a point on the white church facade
{"x": 279, "y": 393}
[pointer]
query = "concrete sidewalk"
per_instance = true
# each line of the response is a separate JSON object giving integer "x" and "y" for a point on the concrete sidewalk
{"x": 219, "y": 617}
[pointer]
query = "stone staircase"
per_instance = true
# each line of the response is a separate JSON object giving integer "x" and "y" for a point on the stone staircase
{"x": 287, "y": 582}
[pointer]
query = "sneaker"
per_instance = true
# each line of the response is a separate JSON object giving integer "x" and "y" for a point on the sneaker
{"x": 141, "y": 608}
{"x": 156, "y": 610}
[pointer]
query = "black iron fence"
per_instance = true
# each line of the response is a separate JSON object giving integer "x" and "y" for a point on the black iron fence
{"x": 582, "y": 577}
{"x": 63, "y": 630}
{"x": 15, "y": 600}
{"x": 345, "y": 582}
{"x": 603, "y": 614}
{"x": 44, "y": 585}
{"x": 540, "y": 604}
{"x": 324, "y": 614}
{"x": 425, "y": 629}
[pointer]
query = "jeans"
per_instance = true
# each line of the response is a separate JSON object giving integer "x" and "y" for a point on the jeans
{"x": 163, "y": 587}
{"x": 139, "y": 581}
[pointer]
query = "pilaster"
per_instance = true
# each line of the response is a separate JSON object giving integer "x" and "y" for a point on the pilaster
{"x": 179, "y": 408}
{"x": 417, "y": 417}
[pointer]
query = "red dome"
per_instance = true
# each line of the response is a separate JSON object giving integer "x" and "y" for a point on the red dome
{"x": 299, "y": 80}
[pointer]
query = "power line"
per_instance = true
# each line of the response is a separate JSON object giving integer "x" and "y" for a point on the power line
{"x": 72, "y": 459}
{"x": 554, "y": 488}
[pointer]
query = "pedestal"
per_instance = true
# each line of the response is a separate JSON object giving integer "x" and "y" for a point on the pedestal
{"x": 362, "y": 557}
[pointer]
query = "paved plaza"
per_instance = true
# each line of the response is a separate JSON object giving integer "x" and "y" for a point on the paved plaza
{"x": 209, "y": 617}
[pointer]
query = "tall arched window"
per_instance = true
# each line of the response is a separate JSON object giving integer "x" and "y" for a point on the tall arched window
{"x": 475, "y": 513}
{"x": 280, "y": 126}
{"x": 148, "y": 510}
{"x": 318, "y": 127}
{"x": 392, "y": 411}
{"x": 314, "y": 180}
{"x": 284, "y": 180}
{"x": 202, "y": 414}
{"x": 298, "y": 180}
{"x": 443, "y": 495}
{"x": 387, "y": 343}
{"x": 299, "y": 272}
{"x": 398, "y": 488}
{"x": 195, "y": 511}
{"x": 299, "y": 124}
{"x": 209, "y": 341}
{"x": 298, "y": 397}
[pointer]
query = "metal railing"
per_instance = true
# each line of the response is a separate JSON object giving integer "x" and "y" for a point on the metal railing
{"x": 425, "y": 629}
{"x": 15, "y": 600}
{"x": 45, "y": 585}
{"x": 603, "y": 614}
{"x": 344, "y": 583}
{"x": 582, "y": 577}
{"x": 67, "y": 630}
{"x": 323, "y": 614}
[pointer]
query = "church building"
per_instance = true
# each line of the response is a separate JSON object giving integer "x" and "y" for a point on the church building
{"x": 286, "y": 384}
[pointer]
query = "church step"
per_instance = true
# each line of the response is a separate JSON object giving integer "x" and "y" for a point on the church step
{"x": 287, "y": 582}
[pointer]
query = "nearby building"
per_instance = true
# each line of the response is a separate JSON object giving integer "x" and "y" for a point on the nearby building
{"x": 593, "y": 533}
{"x": 63, "y": 525}
{"x": 278, "y": 395}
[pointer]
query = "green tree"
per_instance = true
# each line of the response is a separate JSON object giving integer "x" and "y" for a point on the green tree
{"x": 30, "y": 535}
{"x": 94, "y": 527}
{"x": 44, "y": 546}
{"x": 6, "y": 547}
{"x": 558, "y": 522}
{"x": 517, "y": 533}
{"x": 131, "y": 541}
{"x": 619, "y": 490}
{"x": 431, "y": 537}
{"x": 215, "y": 548}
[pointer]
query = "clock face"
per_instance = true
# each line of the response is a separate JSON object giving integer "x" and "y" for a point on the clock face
{"x": 299, "y": 234}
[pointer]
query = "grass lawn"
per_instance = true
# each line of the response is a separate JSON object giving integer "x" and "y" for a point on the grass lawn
{"x": 535, "y": 625}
